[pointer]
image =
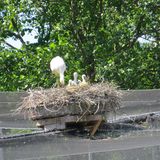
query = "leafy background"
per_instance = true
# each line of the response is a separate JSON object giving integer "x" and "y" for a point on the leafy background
{"x": 97, "y": 37}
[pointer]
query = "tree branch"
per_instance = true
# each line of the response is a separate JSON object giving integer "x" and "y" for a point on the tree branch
{"x": 92, "y": 14}
{"x": 75, "y": 31}
{"x": 99, "y": 15}
{"x": 8, "y": 44}
{"x": 137, "y": 31}
{"x": 11, "y": 46}
{"x": 18, "y": 36}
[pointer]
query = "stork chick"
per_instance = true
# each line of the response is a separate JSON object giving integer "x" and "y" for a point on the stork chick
{"x": 70, "y": 83}
{"x": 75, "y": 79}
{"x": 84, "y": 82}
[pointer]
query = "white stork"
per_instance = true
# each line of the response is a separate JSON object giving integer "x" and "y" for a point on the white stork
{"x": 58, "y": 67}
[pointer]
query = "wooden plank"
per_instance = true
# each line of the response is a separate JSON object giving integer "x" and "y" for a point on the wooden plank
{"x": 96, "y": 126}
{"x": 8, "y": 107}
{"x": 1, "y": 154}
{"x": 58, "y": 147}
{"x": 54, "y": 126}
{"x": 42, "y": 113}
{"x": 141, "y": 105}
{"x": 61, "y": 122}
{"x": 136, "y": 108}
{"x": 15, "y": 121}
{"x": 68, "y": 119}
{"x": 12, "y": 96}
{"x": 133, "y": 102}
{"x": 127, "y": 107}
{"x": 141, "y": 95}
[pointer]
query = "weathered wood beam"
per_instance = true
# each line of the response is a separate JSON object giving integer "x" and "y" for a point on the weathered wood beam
{"x": 61, "y": 122}
{"x": 96, "y": 126}
{"x": 139, "y": 118}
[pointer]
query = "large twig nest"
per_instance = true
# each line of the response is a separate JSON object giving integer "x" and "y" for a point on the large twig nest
{"x": 54, "y": 102}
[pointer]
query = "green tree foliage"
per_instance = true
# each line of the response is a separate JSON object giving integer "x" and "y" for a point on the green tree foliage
{"x": 95, "y": 37}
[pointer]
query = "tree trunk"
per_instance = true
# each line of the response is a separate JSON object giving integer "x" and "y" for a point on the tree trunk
{"x": 89, "y": 65}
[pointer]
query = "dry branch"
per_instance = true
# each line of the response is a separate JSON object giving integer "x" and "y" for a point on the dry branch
{"x": 93, "y": 99}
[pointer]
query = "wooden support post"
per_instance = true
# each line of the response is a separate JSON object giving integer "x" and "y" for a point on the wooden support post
{"x": 95, "y": 127}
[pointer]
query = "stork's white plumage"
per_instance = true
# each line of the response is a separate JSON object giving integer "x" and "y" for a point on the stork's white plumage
{"x": 83, "y": 78}
{"x": 70, "y": 83}
{"x": 75, "y": 77}
{"x": 71, "y": 87}
{"x": 58, "y": 67}
{"x": 76, "y": 81}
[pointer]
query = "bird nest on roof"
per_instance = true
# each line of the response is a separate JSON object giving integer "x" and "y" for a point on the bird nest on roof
{"x": 56, "y": 102}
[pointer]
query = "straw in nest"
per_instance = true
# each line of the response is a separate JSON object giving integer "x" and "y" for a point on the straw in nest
{"x": 92, "y": 99}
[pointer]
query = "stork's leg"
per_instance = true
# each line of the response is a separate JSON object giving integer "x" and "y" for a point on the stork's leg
{"x": 61, "y": 79}
{"x": 57, "y": 82}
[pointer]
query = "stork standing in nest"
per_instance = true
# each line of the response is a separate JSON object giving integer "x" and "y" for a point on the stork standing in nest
{"x": 58, "y": 67}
